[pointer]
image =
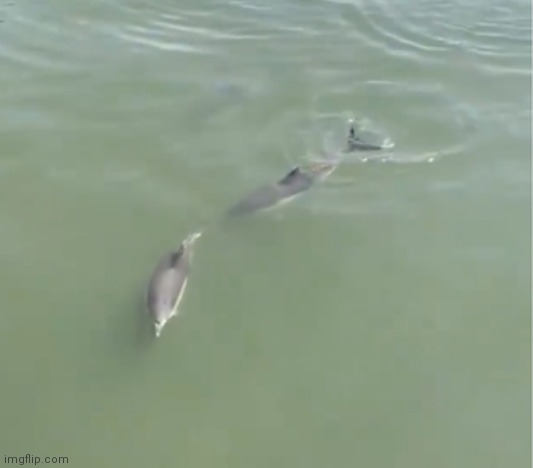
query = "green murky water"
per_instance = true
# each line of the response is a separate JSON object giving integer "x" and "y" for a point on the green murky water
{"x": 381, "y": 320}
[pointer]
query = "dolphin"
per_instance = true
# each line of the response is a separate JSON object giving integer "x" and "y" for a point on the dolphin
{"x": 355, "y": 143}
{"x": 168, "y": 282}
{"x": 297, "y": 181}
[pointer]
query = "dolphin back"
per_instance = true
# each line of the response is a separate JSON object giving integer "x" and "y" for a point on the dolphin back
{"x": 166, "y": 284}
{"x": 258, "y": 200}
{"x": 300, "y": 182}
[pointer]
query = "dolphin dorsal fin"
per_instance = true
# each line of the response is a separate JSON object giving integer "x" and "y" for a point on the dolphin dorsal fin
{"x": 293, "y": 173}
{"x": 175, "y": 256}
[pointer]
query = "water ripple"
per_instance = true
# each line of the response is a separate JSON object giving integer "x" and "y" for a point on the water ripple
{"x": 252, "y": 72}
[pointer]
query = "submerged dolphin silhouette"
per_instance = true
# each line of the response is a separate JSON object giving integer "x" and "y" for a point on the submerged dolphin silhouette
{"x": 294, "y": 183}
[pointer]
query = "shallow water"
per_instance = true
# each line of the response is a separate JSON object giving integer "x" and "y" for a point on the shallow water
{"x": 380, "y": 320}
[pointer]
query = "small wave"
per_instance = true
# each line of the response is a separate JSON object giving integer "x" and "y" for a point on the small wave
{"x": 429, "y": 31}
{"x": 162, "y": 44}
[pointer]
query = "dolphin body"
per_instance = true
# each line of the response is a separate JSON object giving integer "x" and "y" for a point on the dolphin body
{"x": 168, "y": 283}
{"x": 294, "y": 183}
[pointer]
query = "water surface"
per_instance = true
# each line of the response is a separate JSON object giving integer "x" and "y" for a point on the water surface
{"x": 381, "y": 320}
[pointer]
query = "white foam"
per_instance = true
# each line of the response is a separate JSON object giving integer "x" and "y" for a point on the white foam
{"x": 387, "y": 144}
